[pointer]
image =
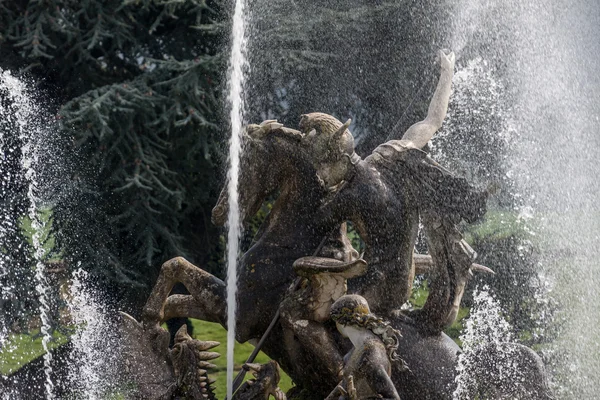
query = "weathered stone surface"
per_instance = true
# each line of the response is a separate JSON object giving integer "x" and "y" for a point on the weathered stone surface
{"x": 322, "y": 183}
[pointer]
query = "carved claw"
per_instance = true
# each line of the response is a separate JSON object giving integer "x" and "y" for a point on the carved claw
{"x": 258, "y": 131}
{"x": 199, "y": 345}
{"x": 279, "y": 395}
{"x": 205, "y": 364}
{"x": 268, "y": 121}
{"x": 266, "y": 378}
{"x": 208, "y": 355}
{"x": 253, "y": 367}
{"x": 182, "y": 335}
{"x": 424, "y": 263}
{"x": 269, "y": 125}
{"x": 190, "y": 364}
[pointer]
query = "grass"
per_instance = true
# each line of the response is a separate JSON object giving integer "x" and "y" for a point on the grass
{"x": 21, "y": 349}
{"x": 24, "y": 348}
{"x": 211, "y": 331}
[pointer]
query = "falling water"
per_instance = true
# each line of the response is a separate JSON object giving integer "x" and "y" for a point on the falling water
{"x": 546, "y": 52}
{"x": 237, "y": 66}
{"x": 42, "y": 287}
{"x": 486, "y": 332}
{"x": 6, "y": 225}
{"x": 95, "y": 355}
{"x": 30, "y": 136}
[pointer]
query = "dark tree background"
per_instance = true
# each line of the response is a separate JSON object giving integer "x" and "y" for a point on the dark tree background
{"x": 373, "y": 62}
{"x": 138, "y": 93}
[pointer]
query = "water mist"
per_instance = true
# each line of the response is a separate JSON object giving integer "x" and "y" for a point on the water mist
{"x": 237, "y": 65}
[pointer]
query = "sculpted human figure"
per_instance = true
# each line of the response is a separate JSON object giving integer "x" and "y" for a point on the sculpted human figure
{"x": 385, "y": 194}
{"x": 305, "y": 313}
{"x": 368, "y": 366}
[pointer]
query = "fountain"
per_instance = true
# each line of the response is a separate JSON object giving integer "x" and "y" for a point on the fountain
{"x": 323, "y": 183}
{"x": 522, "y": 117}
{"x": 30, "y": 150}
{"x": 29, "y": 134}
{"x": 237, "y": 64}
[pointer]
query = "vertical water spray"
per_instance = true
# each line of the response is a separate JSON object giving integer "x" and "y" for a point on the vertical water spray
{"x": 96, "y": 350}
{"x": 546, "y": 53}
{"x": 237, "y": 65}
{"x": 30, "y": 135}
{"x": 6, "y": 225}
{"x": 487, "y": 352}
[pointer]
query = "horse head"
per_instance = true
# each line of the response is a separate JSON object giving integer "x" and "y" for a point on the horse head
{"x": 268, "y": 160}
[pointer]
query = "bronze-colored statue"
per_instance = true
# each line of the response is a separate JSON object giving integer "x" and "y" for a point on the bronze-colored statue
{"x": 322, "y": 183}
{"x": 401, "y": 183}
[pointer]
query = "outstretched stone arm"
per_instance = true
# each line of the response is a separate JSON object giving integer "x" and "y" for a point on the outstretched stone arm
{"x": 420, "y": 133}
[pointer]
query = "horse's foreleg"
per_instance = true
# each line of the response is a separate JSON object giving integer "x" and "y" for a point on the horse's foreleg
{"x": 207, "y": 297}
{"x": 187, "y": 306}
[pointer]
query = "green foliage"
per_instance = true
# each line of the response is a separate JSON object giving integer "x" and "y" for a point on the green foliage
{"x": 21, "y": 349}
{"x": 46, "y": 237}
{"x": 357, "y": 243}
{"x": 138, "y": 101}
{"x": 500, "y": 225}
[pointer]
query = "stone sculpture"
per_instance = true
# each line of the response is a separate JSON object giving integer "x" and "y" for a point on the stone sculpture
{"x": 264, "y": 384}
{"x": 181, "y": 373}
{"x": 322, "y": 183}
{"x": 305, "y": 313}
{"x": 162, "y": 373}
{"x": 368, "y": 367}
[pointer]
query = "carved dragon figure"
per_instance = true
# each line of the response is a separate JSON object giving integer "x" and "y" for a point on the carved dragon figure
{"x": 161, "y": 373}
{"x": 181, "y": 373}
{"x": 264, "y": 384}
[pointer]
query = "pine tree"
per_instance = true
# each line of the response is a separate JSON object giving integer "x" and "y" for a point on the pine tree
{"x": 136, "y": 93}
